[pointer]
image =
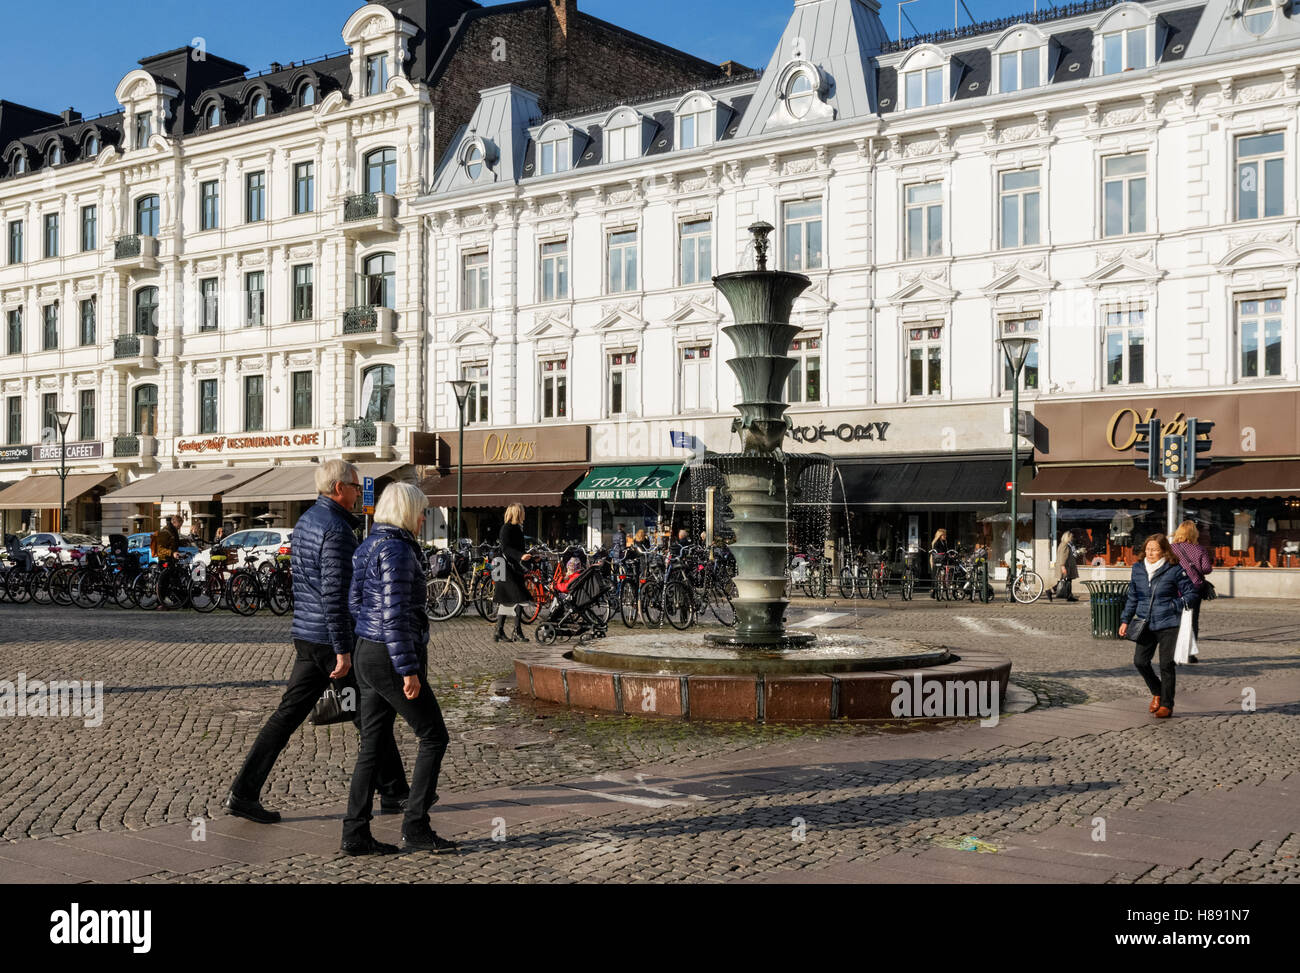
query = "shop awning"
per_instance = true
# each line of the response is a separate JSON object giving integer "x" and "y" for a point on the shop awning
{"x": 186, "y": 485}
{"x": 532, "y": 488}
{"x": 973, "y": 484}
{"x": 629, "y": 483}
{"x": 42, "y": 492}
{"x": 1268, "y": 478}
{"x": 297, "y": 482}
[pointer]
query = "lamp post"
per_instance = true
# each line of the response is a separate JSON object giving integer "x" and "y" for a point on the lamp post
{"x": 1017, "y": 349}
{"x": 63, "y": 418}
{"x": 461, "y": 386}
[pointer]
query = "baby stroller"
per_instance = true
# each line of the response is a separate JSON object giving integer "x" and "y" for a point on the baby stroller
{"x": 574, "y": 614}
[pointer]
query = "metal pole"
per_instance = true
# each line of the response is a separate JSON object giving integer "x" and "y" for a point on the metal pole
{"x": 63, "y": 473}
{"x": 1015, "y": 465}
{"x": 460, "y": 469}
{"x": 1171, "y": 495}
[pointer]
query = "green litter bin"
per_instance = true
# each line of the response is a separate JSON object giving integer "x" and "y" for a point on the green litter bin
{"x": 1106, "y": 599}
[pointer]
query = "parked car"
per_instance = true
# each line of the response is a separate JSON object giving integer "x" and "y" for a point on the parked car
{"x": 265, "y": 542}
{"x": 40, "y": 544}
{"x": 139, "y": 544}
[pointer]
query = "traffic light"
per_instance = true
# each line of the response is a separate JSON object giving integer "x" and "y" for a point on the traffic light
{"x": 1173, "y": 454}
{"x": 1196, "y": 428}
{"x": 1148, "y": 437}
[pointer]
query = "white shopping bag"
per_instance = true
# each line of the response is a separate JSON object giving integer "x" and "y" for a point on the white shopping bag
{"x": 1186, "y": 647}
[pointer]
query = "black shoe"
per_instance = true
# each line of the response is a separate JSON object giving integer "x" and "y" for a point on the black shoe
{"x": 252, "y": 810}
{"x": 367, "y": 846}
{"x": 427, "y": 841}
{"x": 392, "y": 805}
{"x": 1194, "y": 659}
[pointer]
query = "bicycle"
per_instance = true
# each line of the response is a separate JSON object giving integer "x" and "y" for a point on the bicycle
{"x": 1028, "y": 585}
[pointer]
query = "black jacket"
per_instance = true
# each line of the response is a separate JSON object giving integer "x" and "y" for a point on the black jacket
{"x": 511, "y": 590}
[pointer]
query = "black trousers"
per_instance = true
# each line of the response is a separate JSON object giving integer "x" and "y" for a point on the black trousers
{"x": 381, "y": 701}
{"x": 310, "y": 677}
{"x": 1165, "y": 640}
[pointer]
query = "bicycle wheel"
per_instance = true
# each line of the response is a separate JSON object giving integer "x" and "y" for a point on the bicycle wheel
{"x": 679, "y": 605}
{"x": 119, "y": 589}
{"x": 537, "y": 597}
{"x": 908, "y": 585}
{"x": 652, "y": 604}
{"x": 173, "y": 588}
{"x": 482, "y": 594}
{"x": 446, "y": 599}
{"x": 279, "y": 593}
{"x": 848, "y": 584}
{"x": 1028, "y": 588}
{"x": 87, "y": 588}
{"x": 628, "y": 602}
{"x": 61, "y": 585}
{"x": 244, "y": 593}
{"x": 18, "y": 587}
{"x": 720, "y": 602}
{"x": 144, "y": 590}
{"x": 205, "y": 593}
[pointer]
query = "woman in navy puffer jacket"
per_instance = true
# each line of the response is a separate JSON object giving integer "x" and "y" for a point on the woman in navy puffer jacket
{"x": 387, "y": 600}
{"x": 1158, "y": 591}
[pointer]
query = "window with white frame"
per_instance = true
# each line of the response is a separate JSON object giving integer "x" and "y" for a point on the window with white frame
{"x": 554, "y": 376}
{"x": 622, "y": 248}
{"x": 253, "y": 398}
{"x": 697, "y": 378}
{"x": 697, "y": 251}
{"x": 474, "y": 281}
{"x": 88, "y": 321}
{"x": 209, "y": 298}
{"x": 623, "y": 389}
{"x": 805, "y": 383}
{"x": 476, "y": 403}
{"x": 1261, "y": 174}
{"x": 1124, "y": 50}
{"x": 623, "y": 142}
{"x": 51, "y": 330}
{"x": 376, "y": 74}
{"x": 143, "y": 128}
{"x": 254, "y": 299}
{"x": 923, "y": 220}
{"x": 86, "y": 415}
{"x": 1018, "y": 70}
{"x": 1124, "y": 194}
{"x": 695, "y": 124}
{"x": 1125, "y": 345}
{"x": 554, "y": 155}
{"x": 925, "y": 359}
{"x": 1257, "y": 16}
{"x": 802, "y": 225}
{"x": 1018, "y": 208}
{"x": 209, "y": 418}
{"x": 378, "y": 392}
{"x": 1259, "y": 336}
{"x": 1025, "y": 325}
{"x": 923, "y": 87}
{"x": 555, "y": 270}
{"x": 303, "y": 292}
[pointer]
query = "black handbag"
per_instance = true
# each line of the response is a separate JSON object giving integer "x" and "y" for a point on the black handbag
{"x": 1138, "y": 627}
{"x": 1207, "y": 591}
{"x": 330, "y": 707}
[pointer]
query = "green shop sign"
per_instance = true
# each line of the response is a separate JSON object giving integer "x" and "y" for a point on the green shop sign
{"x": 628, "y": 483}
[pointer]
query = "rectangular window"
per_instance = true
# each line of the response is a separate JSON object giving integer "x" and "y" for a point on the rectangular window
{"x": 803, "y": 234}
{"x": 805, "y": 383}
{"x": 255, "y": 197}
{"x": 1261, "y": 171}
{"x": 302, "y": 400}
{"x": 1126, "y": 346}
{"x": 208, "y": 405}
{"x": 15, "y": 331}
{"x": 89, "y": 228}
{"x": 1124, "y": 50}
{"x": 925, "y": 361}
{"x": 252, "y": 403}
{"x": 923, "y": 218}
{"x": 697, "y": 251}
{"x": 51, "y": 331}
{"x": 622, "y": 261}
{"x": 555, "y": 156}
{"x": 49, "y": 421}
{"x": 14, "y": 421}
{"x": 924, "y": 87}
{"x": 209, "y": 304}
{"x": 697, "y": 378}
{"x": 555, "y": 388}
{"x": 304, "y": 188}
{"x": 86, "y": 415}
{"x": 1124, "y": 194}
{"x": 474, "y": 281}
{"x": 623, "y": 143}
{"x": 1259, "y": 330}
{"x": 623, "y": 393}
{"x": 476, "y": 404}
{"x": 302, "y": 292}
{"x": 209, "y": 205}
{"x": 51, "y": 235}
{"x": 16, "y": 241}
{"x": 143, "y": 129}
{"x": 376, "y": 74}
{"x": 1019, "y": 208}
{"x": 1018, "y": 70}
{"x": 254, "y": 299}
{"x": 1015, "y": 327}
{"x": 88, "y": 321}
{"x": 555, "y": 270}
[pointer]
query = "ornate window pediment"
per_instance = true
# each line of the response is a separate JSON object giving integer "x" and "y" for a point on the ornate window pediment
{"x": 801, "y": 91}
{"x": 374, "y": 31}
{"x": 1124, "y": 270}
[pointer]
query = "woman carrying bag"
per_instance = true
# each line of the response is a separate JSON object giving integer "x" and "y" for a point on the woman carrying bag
{"x": 1196, "y": 561}
{"x": 1069, "y": 568}
{"x": 1158, "y": 592}
{"x": 509, "y": 591}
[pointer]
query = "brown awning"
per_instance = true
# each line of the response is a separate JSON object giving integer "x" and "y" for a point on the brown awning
{"x": 297, "y": 482}
{"x": 532, "y": 488}
{"x": 187, "y": 485}
{"x": 42, "y": 492}
{"x": 1268, "y": 478}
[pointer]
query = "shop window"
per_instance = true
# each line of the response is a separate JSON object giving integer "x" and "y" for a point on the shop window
{"x": 1019, "y": 327}
{"x": 555, "y": 388}
{"x": 476, "y": 403}
{"x": 923, "y": 220}
{"x": 925, "y": 361}
{"x": 1261, "y": 174}
{"x": 697, "y": 378}
{"x": 697, "y": 251}
{"x": 805, "y": 383}
{"x": 1019, "y": 208}
{"x": 1259, "y": 337}
{"x": 803, "y": 234}
{"x": 1126, "y": 346}
{"x": 1124, "y": 194}
{"x": 377, "y": 391}
{"x": 475, "y": 274}
{"x": 623, "y": 386}
{"x": 555, "y": 270}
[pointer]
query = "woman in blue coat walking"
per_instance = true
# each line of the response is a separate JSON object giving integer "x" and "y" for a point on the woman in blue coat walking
{"x": 1157, "y": 593}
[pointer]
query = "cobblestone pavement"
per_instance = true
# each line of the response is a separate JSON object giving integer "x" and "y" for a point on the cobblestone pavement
{"x": 187, "y": 694}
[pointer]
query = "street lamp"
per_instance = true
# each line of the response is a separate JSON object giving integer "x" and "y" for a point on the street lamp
{"x": 63, "y": 418}
{"x": 461, "y": 386}
{"x": 1017, "y": 349}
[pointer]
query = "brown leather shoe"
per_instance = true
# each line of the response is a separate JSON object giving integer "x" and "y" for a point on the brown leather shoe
{"x": 1164, "y": 711}
{"x": 1155, "y": 704}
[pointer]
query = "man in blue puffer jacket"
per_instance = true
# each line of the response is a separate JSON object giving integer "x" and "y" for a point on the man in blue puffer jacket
{"x": 321, "y": 550}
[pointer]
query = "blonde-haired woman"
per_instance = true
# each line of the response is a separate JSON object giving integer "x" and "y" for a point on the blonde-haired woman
{"x": 508, "y": 591}
{"x": 1196, "y": 561}
{"x": 938, "y": 554}
{"x": 387, "y": 601}
{"x": 1069, "y": 568}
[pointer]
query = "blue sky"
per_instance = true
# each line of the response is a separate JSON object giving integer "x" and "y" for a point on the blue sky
{"x": 96, "y": 42}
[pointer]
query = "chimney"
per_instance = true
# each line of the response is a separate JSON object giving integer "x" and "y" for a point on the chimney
{"x": 564, "y": 14}
{"x": 565, "y": 11}
{"x": 70, "y": 115}
{"x": 277, "y": 66}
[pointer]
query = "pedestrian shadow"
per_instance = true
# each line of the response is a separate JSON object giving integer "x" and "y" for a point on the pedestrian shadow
{"x": 1214, "y": 666}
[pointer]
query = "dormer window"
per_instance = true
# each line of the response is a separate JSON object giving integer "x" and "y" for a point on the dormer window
{"x": 799, "y": 95}
{"x": 307, "y": 95}
{"x": 92, "y": 146}
{"x": 623, "y": 142}
{"x": 1257, "y": 16}
{"x": 555, "y": 154}
{"x": 259, "y": 106}
{"x": 376, "y": 74}
{"x": 924, "y": 87}
{"x": 1124, "y": 50}
{"x": 1020, "y": 59}
{"x": 212, "y": 117}
{"x": 19, "y": 164}
{"x": 695, "y": 121}
{"x": 55, "y": 155}
{"x": 474, "y": 162}
{"x": 143, "y": 129}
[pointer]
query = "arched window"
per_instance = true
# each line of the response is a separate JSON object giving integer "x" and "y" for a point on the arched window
{"x": 146, "y": 311}
{"x": 379, "y": 282}
{"x": 623, "y": 137}
{"x": 55, "y": 155}
{"x": 695, "y": 123}
{"x": 92, "y": 146}
{"x": 553, "y": 150}
{"x": 145, "y": 410}
{"x": 146, "y": 216}
{"x": 381, "y": 171}
{"x": 474, "y": 161}
{"x": 259, "y": 106}
{"x": 799, "y": 94}
{"x": 377, "y": 392}
{"x": 19, "y": 164}
{"x": 307, "y": 95}
{"x": 212, "y": 117}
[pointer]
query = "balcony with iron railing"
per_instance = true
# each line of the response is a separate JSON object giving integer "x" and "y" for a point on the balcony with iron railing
{"x": 136, "y": 350}
{"x": 369, "y": 324}
{"x": 135, "y": 449}
{"x": 367, "y": 437}
{"x": 369, "y": 214}
{"x": 135, "y": 251}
